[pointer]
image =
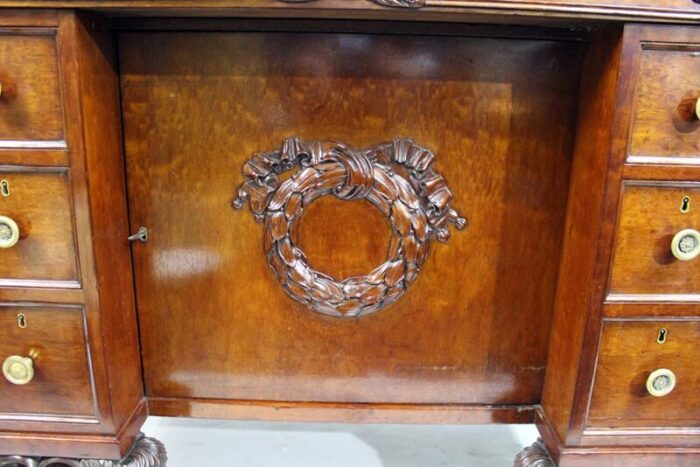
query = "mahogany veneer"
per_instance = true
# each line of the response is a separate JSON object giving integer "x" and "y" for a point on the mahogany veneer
{"x": 628, "y": 349}
{"x": 643, "y": 265}
{"x": 570, "y": 143}
{"x": 30, "y": 99}
{"x": 55, "y": 338}
{"x": 196, "y": 277}
{"x": 40, "y": 204}
{"x": 71, "y": 265}
{"x": 665, "y": 127}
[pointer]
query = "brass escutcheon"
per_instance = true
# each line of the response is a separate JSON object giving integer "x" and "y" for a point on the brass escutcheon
{"x": 685, "y": 204}
{"x": 663, "y": 335}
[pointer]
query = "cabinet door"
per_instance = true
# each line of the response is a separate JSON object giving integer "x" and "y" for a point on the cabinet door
{"x": 215, "y": 320}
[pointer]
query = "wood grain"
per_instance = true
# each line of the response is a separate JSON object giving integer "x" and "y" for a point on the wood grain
{"x": 215, "y": 323}
{"x": 62, "y": 384}
{"x": 650, "y": 215}
{"x": 580, "y": 258}
{"x": 111, "y": 294}
{"x": 669, "y": 74}
{"x": 340, "y": 412}
{"x": 631, "y": 452}
{"x": 647, "y": 310}
{"x": 445, "y": 10}
{"x": 95, "y": 182}
{"x": 628, "y": 353}
{"x": 30, "y": 103}
{"x": 40, "y": 203}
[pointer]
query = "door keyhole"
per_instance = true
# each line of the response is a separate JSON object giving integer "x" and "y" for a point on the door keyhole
{"x": 663, "y": 333}
{"x": 685, "y": 204}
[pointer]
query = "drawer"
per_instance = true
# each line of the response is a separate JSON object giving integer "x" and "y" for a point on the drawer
{"x": 650, "y": 218}
{"x": 55, "y": 341}
{"x": 665, "y": 125}
{"x": 39, "y": 205}
{"x": 31, "y": 111}
{"x": 628, "y": 354}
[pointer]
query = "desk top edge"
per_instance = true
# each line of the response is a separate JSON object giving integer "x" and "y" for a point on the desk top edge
{"x": 669, "y": 11}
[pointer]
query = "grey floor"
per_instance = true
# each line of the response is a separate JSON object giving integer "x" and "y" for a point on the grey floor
{"x": 205, "y": 443}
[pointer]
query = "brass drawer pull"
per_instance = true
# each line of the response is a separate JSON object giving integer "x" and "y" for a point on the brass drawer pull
{"x": 661, "y": 382}
{"x": 18, "y": 370}
{"x": 9, "y": 232}
{"x": 689, "y": 109}
{"x": 686, "y": 244}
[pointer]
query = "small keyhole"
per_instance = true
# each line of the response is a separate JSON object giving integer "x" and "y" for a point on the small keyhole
{"x": 663, "y": 333}
{"x": 685, "y": 204}
{"x": 21, "y": 321}
{"x": 5, "y": 188}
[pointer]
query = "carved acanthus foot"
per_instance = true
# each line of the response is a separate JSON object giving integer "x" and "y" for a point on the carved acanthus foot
{"x": 144, "y": 452}
{"x": 534, "y": 456}
{"x": 18, "y": 461}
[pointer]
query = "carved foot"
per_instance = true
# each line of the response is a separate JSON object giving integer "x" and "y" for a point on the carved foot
{"x": 145, "y": 452}
{"x": 18, "y": 461}
{"x": 534, "y": 456}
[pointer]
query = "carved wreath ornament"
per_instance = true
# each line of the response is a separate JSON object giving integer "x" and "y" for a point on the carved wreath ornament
{"x": 417, "y": 206}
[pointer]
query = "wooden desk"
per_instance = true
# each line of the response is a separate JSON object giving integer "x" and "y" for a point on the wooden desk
{"x": 448, "y": 212}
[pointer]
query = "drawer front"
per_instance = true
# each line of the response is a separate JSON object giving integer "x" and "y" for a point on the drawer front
{"x": 665, "y": 126}
{"x": 55, "y": 341}
{"x": 650, "y": 219}
{"x": 31, "y": 112}
{"x": 629, "y": 352}
{"x": 39, "y": 203}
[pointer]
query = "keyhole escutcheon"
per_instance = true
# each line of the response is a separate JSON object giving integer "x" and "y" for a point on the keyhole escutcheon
{"x": 685, "y": 204}
{"x": 663, "y": 334}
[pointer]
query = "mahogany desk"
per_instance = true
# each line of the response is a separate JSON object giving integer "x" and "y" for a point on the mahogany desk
{"x": 435, "y": 211}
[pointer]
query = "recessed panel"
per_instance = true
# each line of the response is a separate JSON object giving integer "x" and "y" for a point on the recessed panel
{"x": 36, "y": 207}
{"x": 666, "y": 124}
{"x": 49, "y": 343}
{"x": 216, "y": 321}
{"x": 31, "y": 112}
{"x": 653, "y": 218}
{"x": 645, "y": 376}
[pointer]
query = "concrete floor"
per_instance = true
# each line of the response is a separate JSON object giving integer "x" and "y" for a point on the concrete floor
{"x": 213, "y": 443}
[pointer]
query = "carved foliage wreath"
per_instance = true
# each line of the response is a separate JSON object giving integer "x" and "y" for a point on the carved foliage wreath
{"x": 418, "y": 209}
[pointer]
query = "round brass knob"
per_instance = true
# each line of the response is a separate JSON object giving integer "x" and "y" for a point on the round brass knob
{"x": 18, "y": 370}
{"x": 9, "y": 232}
{"x": 661, "y": 382}
{"x": 689, "y": 109}
{"x": 686, "y": 244}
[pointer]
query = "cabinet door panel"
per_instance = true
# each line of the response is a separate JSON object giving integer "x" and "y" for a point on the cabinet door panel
{"x": 215, "y": 323}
